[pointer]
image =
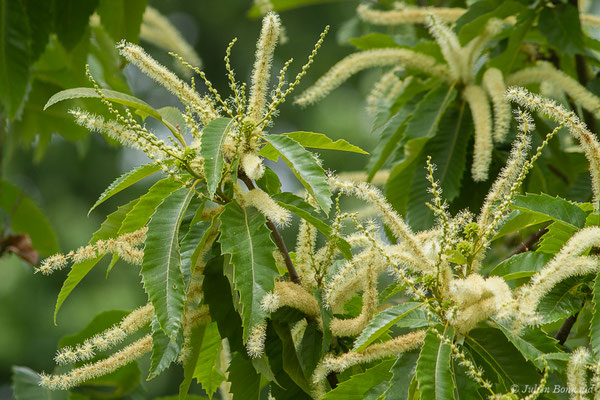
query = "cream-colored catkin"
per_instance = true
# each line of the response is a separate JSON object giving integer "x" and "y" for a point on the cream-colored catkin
{"x": 292, "y": 295}
{"x": 384, "y": 91}
{"x": 255, "y": 345}
{"x": 261, "y": 73}
{"x": 493, "y": 83}
{"x": 160, "y": 74}
{"x": 267, "y": 206}
{"x": 103, "y": 367}
{"x": 305, "y": 248}
{"x": 407, "y": 15}
{"x": 357, "y": 62}
{"x": 331, "y": 363}
{"x": 482, "y": 152}
{"x": 544, "y": 71}
{"x": 576, "y": 127}
{"x": 158, "y": 30}
{"x": 449, "y": 45}
{"x": 576, "y": 374}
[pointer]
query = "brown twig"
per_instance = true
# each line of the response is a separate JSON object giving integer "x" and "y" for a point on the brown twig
{"x": 276, "y": 235}
{"x": 565, "y": 329}
{"x": 528, "y": 242}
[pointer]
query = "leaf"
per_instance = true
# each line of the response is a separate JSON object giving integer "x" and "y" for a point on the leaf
{"x": 26, "y": 386}
{"x": 213, "y": 136}
{"x": 164, "y": 351}
{"x": 246, "y": 238}
{"x": 595, "y": 322}
{"x": 290, "y": 362}
{"x": 191, "y": 245}
{"x": 161, "y": 266}
{"x": 494, "y": 9}
{"x": 561, "y": 27}
{"x": 521, "y": 265}
{"x": 122, "y": 18}
{"x": 126, "y": 180}
{"x": 359, "y": 384}
{"x": 15, "y": 63}
{"x": 72, "y": 20}
{"x": 533, "y": 343}
{"x": 403, "y": 372}
{"x": 108, "y": 229}
{"x": 553, "y": 240}
{"x": 518, "y": 220}
{"x": 305, "y": 211}
{"x": 382, "y": 322}
{"x": 305, "y": 168}
{"x": 560, "y": 302}
{"x": 26, "y": 217}
{"x": 309, "y": 348}
{"x": 373, "y": 40}
{"x": 40, "y": 16}
{"x": 433, "y": 366}
{"x": 321, "y": 141}
{"x": 282, "y": 5}
{"x": 506, "y": 59}
{"x": 189, "y": 363}
{"x": 245, "y": 382}
{"x": 554, "y": 207}
{"x": 208, "y": 370}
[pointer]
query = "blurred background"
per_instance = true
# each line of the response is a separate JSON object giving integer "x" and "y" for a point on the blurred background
{"x": 65, "y": 170}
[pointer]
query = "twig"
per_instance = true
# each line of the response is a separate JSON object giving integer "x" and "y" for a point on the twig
{"x": 565, "y": 328}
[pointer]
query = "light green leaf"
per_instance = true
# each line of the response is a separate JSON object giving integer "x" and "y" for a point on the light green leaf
{"x": 359, "y": 384}
{"x": 321, "y": 141}
{"x": 126, "y": 180}
{"x": 374, "y": 40}
{"x": 282, "y": 5}
{"x": 305, "y": 211}
{"x": 189, "y": 363}
{"x": 521, "y": 265}
{"x": 161, "y": 267}
{"x": 561, "y": 301}
{"x": 518, "y": 220}
{"x": 213, "y": 136}
{"x": 403, "y": 372}
{"x": 122, "y": 18}
{"x": 595, "y": 322}
{"x": 108, "y": 229}
{"x": 433, "y": 366}
{"x": 15, "y": 63}
{"x": 164, "y": 351}
{"x": 304, "y": 166}
{"x": 26, "y": 386}
{"x": 553, "y": 240}
{"x": 554, "y": 207}
{"x": 142, "y": 108}
{"x": 382, "y": 322}
{"x": 26, "y": 217}
{"x": 208, "y": 370}
{"x": 246, "y": 238}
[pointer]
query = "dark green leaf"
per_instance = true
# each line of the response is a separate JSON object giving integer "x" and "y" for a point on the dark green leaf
{"x": 553, "y": 240}
{"x": 358, "y": 385}
{"x": 161, "y": 267}
{"x": 495, "y": 9}
{"x": 561, "y": 27}
{"x": 246, "y": 238}
{"x": 595, "y": 322}
{"x": 382, "y": 322}
{"x": 290, "y": 362}
{"x": 213, "y": 136}
{"x": 245, "y": 382}
{"x": 122, "y": 18}
{"x": 164, "y": 351}
{"x": 41, "y": 18}
{"x": 554, "y": 207}
{"x": 403, "y": 372}
{"x": 189, "y": 363}
{"x": 305, "y": 167}
{"x": 15, "y": 59}
{"x": 521, "y": 265}
{"x": 26, "y": 386}
{"x": 126, "y": 180}
{"x": 309, "y": 350}
{"x": 561, "y": 301}
{"x": 269, "y": 182}
{"x": 518, "y": 220}
{"x": 191, "y": 246}
{"x": 433, "y": 366}
{"x": 506, "y": 59}
{"x": 72, "y": 18}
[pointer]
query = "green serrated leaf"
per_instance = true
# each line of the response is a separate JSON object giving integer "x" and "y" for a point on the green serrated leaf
{"x": 321, "y": 141}
{"x": 189, "y": 363}
{"x": 561, "y": 27}
{"x": 471, "y": 25}
{"x": 305, "y": 168}
{"x": 25, "y": 216}
{"x": 15, "y": 63}
{"x": 403, "y": 372}
{"x": 382, "y": 322}
{"x": 269, "y": 182}
{"x": 561, "y": 302}
{"x": 305, "y": 211}
{"x": 26, "y": 386}
{"x": 518, "y": 220}
{"x": 245, "y": 382}
{"x": 246, "y": 238}
{"x": 433, "y": 366}
{"x": 595, "y": 322}
{"x": 213, "y": 136}
{"x": 359, "y": 384}
{"x": 309, "y": 349}
{"x": 208, "y": 370}
{"x": 161, "y": 266}
{"x": 553, "y": 240}
{"x": 554, "y": 207}
{"x": 108, "y": 229}
{"x": 521, "y": 265}
{"x": 125, "y": 181}
{"x": 72, "y": 20}
{"x": 191, "y": 245}
{"x": 164, "y": 351}
{"x": 122, "y": 18}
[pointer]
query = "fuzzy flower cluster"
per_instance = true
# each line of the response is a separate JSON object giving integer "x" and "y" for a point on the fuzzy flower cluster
{"x": 125, "y": 246}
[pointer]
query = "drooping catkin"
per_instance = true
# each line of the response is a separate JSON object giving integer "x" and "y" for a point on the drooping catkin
{"x": 482, "y": 152}
{"x": 493, "y": 83}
